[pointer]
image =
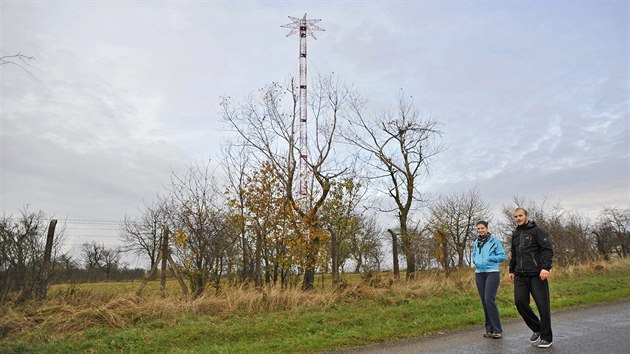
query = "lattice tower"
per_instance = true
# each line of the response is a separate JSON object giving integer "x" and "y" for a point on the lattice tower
{"x": 303, "y": 27}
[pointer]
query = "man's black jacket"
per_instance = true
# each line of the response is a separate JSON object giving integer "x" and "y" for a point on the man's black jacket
{"x": 531, "y": 250}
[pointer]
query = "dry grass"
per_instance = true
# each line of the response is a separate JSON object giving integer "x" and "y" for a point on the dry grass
{"x": 67, "y": 312}
{"x": 594, "y": 267}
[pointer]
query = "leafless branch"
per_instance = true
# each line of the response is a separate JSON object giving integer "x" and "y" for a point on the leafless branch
{"x": 20, "y": 60}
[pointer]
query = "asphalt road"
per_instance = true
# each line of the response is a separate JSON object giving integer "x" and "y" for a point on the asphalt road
{"x": 599, "y": 329}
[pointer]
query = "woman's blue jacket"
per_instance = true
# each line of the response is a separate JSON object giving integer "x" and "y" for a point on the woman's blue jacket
{"x": 487, "y": 258}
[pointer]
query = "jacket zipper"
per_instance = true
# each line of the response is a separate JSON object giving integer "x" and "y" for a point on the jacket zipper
{"x": 520, "y": 250}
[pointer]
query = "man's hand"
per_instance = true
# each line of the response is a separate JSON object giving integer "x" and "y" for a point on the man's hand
{"x": 544, "y": 274}
{"x": 511, "y": 276}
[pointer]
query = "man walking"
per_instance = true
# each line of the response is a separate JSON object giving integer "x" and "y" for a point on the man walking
{"x": 530, "y": 264}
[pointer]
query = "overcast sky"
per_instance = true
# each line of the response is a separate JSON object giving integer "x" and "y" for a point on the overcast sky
{"x": 532, "y": 96}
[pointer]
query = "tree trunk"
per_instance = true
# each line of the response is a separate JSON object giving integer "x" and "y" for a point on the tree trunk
{"x": 309, "y": 279}
{"x": 395, "y": 253}
{"x": 246, "y": 271}
{"x": 447, "y": 260}
{"x": 311, "y": 260}
{"x": 334, "y": 253}
{"x": 258, "y": 268}
{"x": 410, "y": 255}
{"x": 357, "y": 268}
{"x": 460, "y": 262}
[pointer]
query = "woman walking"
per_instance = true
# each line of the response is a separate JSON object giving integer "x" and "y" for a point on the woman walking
{"x": 487, "y": 254}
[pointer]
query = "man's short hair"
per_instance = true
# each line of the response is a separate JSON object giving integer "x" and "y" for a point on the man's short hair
{"x": 521, "y": 209}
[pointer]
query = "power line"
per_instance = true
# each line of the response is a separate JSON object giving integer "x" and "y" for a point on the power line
{"x": 90, "y": 228}
{"x": 93, "y": 221}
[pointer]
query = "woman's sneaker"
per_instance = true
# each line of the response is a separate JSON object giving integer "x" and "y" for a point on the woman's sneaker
{"x": 544, "y": 344}
{"x": 487, "y": 335}
{"x": 534, "y": 338}
{"x": 496, "y": 335}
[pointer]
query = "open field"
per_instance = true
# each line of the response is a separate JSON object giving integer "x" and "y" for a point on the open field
{"x": 272, "y": 320}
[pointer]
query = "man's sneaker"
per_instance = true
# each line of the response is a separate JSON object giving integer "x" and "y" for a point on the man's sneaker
{"x": 496, "y": 335}
{"x": 487, "y": 335}
{"x": 544, "y": 344}
{"x": 534, "y": 338}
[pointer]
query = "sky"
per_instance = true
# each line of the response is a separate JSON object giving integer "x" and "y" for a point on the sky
{"x": 531, "y": 97}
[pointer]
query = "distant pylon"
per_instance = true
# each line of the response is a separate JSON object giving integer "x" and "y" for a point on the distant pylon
{"x": 303, "y": 26}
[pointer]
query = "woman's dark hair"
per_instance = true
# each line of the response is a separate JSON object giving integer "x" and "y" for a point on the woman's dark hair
{"x": 482, "y": 222}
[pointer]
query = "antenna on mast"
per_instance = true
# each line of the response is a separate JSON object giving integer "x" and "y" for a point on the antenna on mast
{"x": 304, "y": 27}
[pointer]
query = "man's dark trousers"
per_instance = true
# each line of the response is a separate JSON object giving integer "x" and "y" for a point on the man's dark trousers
{"x": 539, "y": 289}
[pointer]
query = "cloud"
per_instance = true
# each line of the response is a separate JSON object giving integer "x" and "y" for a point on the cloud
{"x": 124, "y": 92}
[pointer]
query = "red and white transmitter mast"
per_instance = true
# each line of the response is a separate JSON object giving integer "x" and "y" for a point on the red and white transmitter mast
{"x": 304, "y": 27}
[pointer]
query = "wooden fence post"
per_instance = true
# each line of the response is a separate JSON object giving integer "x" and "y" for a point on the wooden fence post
{"x": 165, "y": 254}
{"x": 164, "y": 257}
{"x": 46, "y": 263}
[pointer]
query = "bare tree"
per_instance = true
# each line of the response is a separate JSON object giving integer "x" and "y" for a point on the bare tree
{"x": 425, "y": 247}
{"x": 423, "y": 243}
{"x": 100, "y": 261}
{"x": 619, "y": 221}
{"x": 569, "y": 232}
{"x": 236, "y": 162}
{"x": 458, "y": 214}
{"x": 366, "y": 247}
{"x": 22, "y": 245}
{"x": 270, "y": 126}
{"x": 111, "y": 261}
{"x": 399, "y": 145}
{"x": 143, "y": 235}
{"x": 203, "y": 233}
{"x": 604, "y": 239}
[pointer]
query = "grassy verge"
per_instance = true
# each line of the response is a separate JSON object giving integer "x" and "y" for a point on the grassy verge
{"x": 292, "y": 322}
